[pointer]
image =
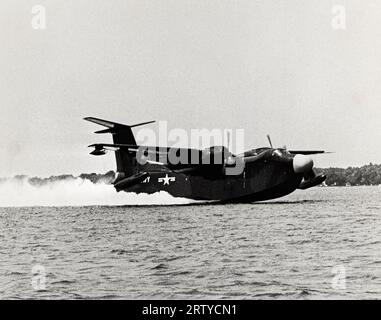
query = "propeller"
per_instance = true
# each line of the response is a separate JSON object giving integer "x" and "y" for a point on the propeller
{"x": 230, "y": 161}
{"x": 268, "y": 138}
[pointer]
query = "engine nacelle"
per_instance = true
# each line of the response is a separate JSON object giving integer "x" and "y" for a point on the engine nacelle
{"x": 216, "y": 159}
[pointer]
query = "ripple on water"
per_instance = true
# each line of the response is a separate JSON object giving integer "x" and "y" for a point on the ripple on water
{"x": 281, "y": 249}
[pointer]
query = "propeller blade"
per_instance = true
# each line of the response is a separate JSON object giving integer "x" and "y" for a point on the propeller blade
{"x": 268, "y": 138}
{"x": 228, "y": 139}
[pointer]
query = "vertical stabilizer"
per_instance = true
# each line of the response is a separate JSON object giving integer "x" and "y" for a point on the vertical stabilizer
{"x": 126, "y": 163}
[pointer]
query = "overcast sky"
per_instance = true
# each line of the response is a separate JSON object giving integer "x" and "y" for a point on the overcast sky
{"x": 273, "y": 67}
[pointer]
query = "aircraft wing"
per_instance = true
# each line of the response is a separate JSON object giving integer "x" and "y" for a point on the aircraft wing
{"x": 161, "y": 155}
{"x": 306, "y": 152}
{"x": 148, "y": 149}
{"x": 154, "y": 154}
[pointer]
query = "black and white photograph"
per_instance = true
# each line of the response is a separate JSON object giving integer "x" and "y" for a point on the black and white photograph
{"x": 210, "y": 151}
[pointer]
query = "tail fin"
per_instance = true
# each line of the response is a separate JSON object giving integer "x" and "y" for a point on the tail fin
{"x": 122, "y": 134}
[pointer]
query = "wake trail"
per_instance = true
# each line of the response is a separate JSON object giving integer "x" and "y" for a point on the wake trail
{"x": 76, "y": 192}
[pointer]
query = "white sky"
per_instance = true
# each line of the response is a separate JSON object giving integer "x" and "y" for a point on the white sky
{"x": 266, "y": 66}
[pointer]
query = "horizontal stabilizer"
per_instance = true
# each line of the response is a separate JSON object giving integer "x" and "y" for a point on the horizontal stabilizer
{"x": 110, "y": 124}
{"x": 144, "y": 149}
{"x": 102, "y": 122}
{"x": 122, "y": 133}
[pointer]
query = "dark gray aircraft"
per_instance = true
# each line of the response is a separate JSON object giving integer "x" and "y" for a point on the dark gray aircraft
{"x": 210, "y": 174}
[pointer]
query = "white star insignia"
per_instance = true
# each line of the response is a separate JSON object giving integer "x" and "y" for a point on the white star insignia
{"x": 166, "y": 180}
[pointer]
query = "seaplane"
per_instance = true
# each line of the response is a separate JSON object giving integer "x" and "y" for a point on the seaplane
{"x": 210, "y": 174}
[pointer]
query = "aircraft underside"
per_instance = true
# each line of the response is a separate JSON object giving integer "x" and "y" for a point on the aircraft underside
{"x": 262, "y": 182}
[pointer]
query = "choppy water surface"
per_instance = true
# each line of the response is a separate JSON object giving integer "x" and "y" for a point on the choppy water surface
{"x": 295, "y": 247}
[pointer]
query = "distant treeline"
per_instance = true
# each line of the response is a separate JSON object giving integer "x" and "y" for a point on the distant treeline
{"x": 368, "y": 175}
{"x": 352, "y": 176}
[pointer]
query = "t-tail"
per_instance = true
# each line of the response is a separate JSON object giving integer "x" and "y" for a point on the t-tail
{"x": 127, "y": 167}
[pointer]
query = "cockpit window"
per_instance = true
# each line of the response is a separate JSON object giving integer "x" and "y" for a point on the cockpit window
{"x": 277, "y": 152}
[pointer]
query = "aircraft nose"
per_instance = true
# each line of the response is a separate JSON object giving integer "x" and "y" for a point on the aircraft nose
{"x": 302, "y": 163}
